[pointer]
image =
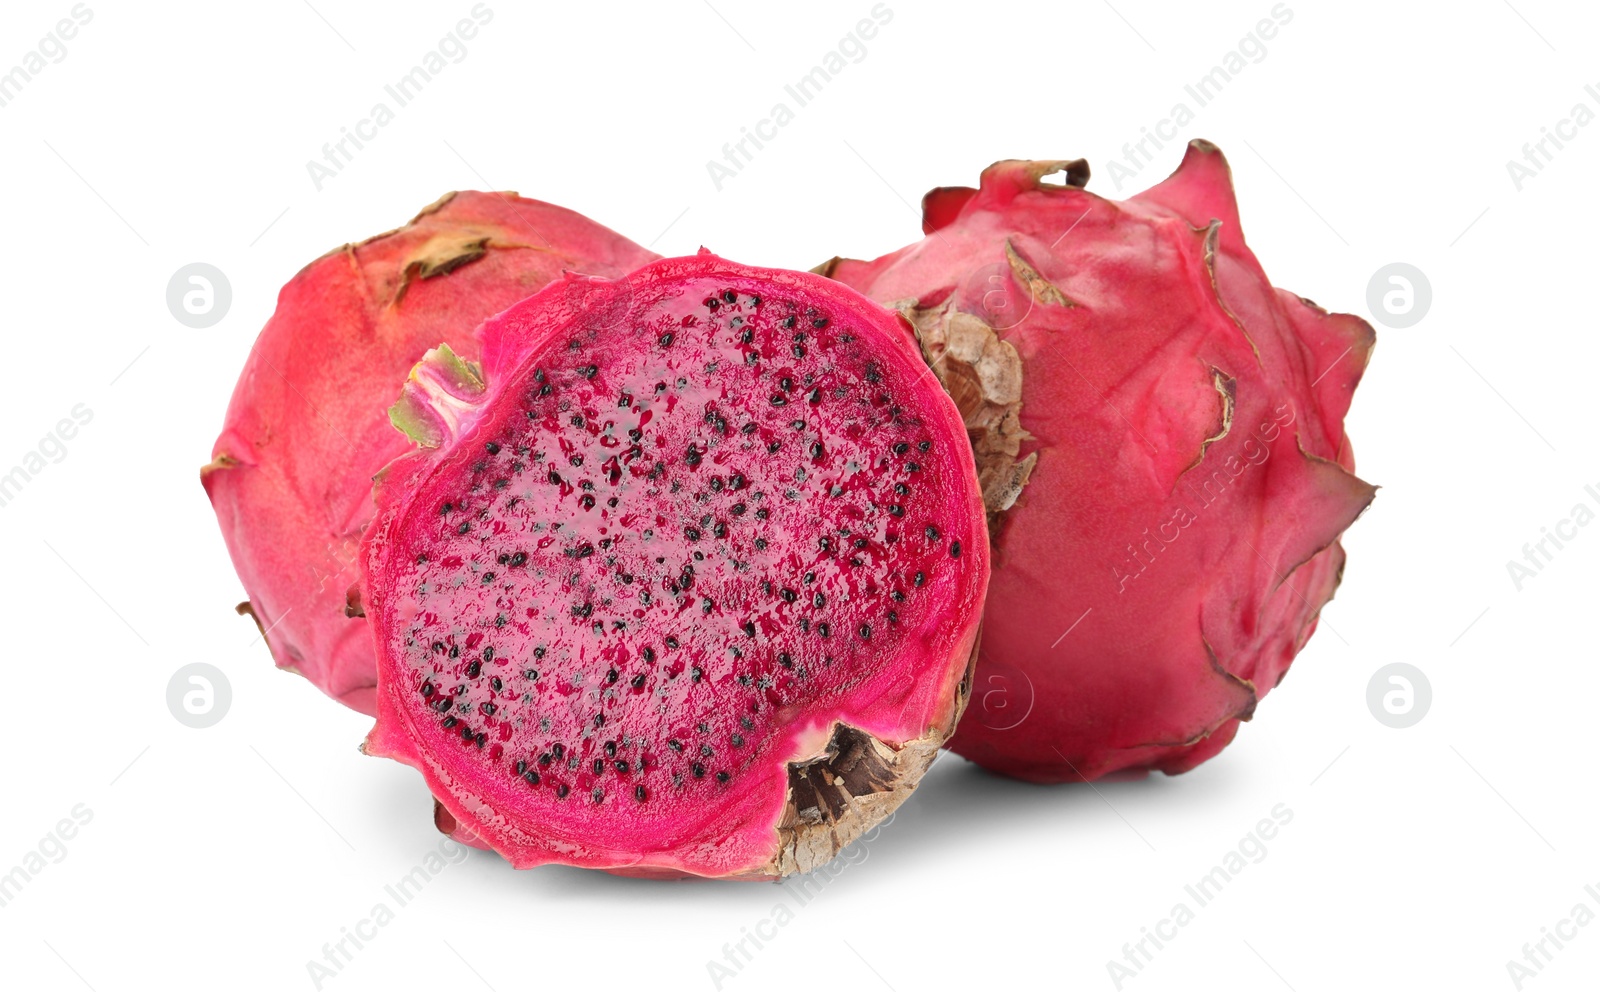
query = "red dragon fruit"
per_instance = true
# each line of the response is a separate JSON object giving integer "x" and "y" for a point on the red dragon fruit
{"x": 291, "y": 475}
{"x": 685, "y": 579}
{"x": 1159, "y": 434}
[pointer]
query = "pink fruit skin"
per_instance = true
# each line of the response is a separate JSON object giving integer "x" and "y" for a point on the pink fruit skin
{"x": 291, "y": 474}
{"x": 1189, "y": 558}
{"x": 486, "y": 543}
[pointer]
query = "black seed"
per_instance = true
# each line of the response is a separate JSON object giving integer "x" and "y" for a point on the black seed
{"x": 562, "y": 790}
{"x": 788, "y": 321}
{"x": 728, "y": 296}
{"x": 778, "y": 399}
{"x": 638, "y": 682}
{"x": 789, "y": 595}
{"x": 648, "y": 654}
{"x": 722, "y": 776}
{"x": 761, "y": 543}
{"x": 737, "y": 509}
{"x": 558, "y": 749}
{"x": 672, "y": 642}
{"x": 519, "y": 559}
{"x": 532, "y": 675}
{"x": 488, "y": 577}
{"x": 816, "y": 449}
{"x": 611, "y": 677}
{"x": 695, "y": 674}
{"x": 865, "y": 632}
{"x": 446, "y": 508}
{"x": 473, "y": 670}
{"x": 894, "y": 617}
{"x": 924, "y": 445}
{"x": 599, "y": 794}
{"x": 955, "y": 549}
{"x": 666, "y": 339}
{"x": 799, "y": 351}
{"x": 755, "y": 301}
{"x": 676, "y": 745}
{"x": 522, "y": 766}
{"x": 918, "y": 579}
{"x": 427, "y": 689}
{"x": 720, "y": 530}
{"x": 621, "y": 766}
{"x": 932, "y": 532}
{"x": 698, "y": 770}
{"x": 691, "y": 533}
{"x": 705, "y": 750}
{"x": 898, "y": 596}
{"x": 481, "y": 739}
{"x": 486, "y": 708}
{"x": 448, "y": 722}
{"x": 824, "y": 544}
{"x": 599, "y": 766}
{"x": 588, "y": 371}
{"x": 531, "y": 777}
{"x": 772, "y": 449}
{"x": 913, "y": 467}
{"x": 463, "y": 528}
{"x": 743, "y": 679}
{"x": 639, "y": 793}
{"x": 859, "y": 542}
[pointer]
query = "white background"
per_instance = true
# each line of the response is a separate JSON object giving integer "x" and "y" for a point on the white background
{"x": 1370, "y": 133}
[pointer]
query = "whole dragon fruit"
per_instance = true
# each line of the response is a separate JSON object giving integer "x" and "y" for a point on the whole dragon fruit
{"x": 685, "y": 579}
{"x": 1160, "y": 439}
{"x": 291, "y": 475}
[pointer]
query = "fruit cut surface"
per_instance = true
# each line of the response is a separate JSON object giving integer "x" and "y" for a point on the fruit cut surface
{"x": 690, "y": 578}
